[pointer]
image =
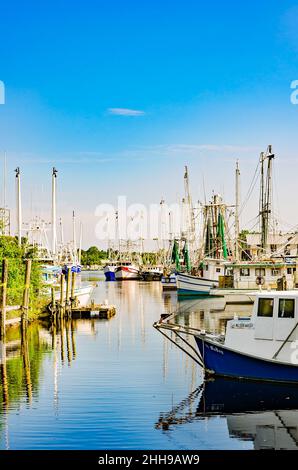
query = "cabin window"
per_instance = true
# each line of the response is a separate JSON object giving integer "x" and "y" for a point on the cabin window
{"x": 244, "y": 272}
{"x": 289, "y": 270}
{"x": 288, "y": 250}
{"x": 260, "y": 272}
{"x": 275, "y": 272}
{"x": 273, "y": 248}
{"x": 218, "y": 270}
{"x": 286, "y": 308}
{"x": 265, "y": 308}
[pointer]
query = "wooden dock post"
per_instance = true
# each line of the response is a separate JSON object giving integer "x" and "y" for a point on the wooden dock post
{"x": 62, "y": 300}
{"x": 67, "y": 299}
{"x": 25, "y": 304}
{"x": 73, "y": 285}
{"x": 54, "y": 309}
{"x": 3, "y": 298}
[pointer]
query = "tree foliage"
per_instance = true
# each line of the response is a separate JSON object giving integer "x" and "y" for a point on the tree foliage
{"x": 93, "y": 256}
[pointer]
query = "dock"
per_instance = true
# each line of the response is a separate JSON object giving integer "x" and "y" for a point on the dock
{"x": 101, "y": 311}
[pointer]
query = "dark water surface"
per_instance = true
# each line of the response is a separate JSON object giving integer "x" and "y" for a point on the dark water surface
{"x": 119, "y": 384}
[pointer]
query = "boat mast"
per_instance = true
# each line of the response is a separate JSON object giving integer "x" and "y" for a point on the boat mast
{"x": 237, "y": 204}
{"x": 190, "y": 217}
{"x": 54, "y": 228}
{"x": 74, "y": 242}
{"x": 19, "y": 206}
{"x": 80, "y": 243}
{"x": 61, "y": 233}
{"x": 266, "y": 196}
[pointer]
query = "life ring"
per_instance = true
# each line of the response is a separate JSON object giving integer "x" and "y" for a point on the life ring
{"x": 260, "y": 281}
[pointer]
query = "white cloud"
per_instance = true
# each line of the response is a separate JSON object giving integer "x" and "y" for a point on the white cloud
{"x": 125, "y": 112}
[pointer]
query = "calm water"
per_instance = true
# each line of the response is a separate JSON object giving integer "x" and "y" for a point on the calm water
{"x": 118, "y": 384}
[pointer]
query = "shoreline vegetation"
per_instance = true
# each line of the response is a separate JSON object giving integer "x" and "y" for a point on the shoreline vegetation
{"x": 16, "y": 257}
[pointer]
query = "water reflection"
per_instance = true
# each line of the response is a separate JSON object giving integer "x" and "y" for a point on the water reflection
{"x": 98, "y": 384}
{"x": 261, "y": 413}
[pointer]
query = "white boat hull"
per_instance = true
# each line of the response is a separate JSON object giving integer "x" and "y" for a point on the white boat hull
{"x": 194, "y": 285}
{"x": 126, "y": 273}
{"x": 82, "y": 294}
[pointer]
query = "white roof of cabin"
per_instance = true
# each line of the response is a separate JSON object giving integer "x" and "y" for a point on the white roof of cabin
{"x": 281, "y": 293}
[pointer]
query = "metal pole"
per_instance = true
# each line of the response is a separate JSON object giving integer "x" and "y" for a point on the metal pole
{"x": 19, "y": 205}
{"x": 54, "y": 228}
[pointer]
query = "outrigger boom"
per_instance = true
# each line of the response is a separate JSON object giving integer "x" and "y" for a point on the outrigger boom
{"x": 177, "y": 329}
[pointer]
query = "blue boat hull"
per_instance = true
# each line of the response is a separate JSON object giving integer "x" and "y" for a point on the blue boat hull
{"x": 224, "y": 362}
{"x": 110, "y": 276}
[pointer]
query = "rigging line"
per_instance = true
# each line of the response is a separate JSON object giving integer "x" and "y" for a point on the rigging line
{"x": 252, "y": 185}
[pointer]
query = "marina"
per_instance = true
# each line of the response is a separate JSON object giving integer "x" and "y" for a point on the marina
{"x": 148, "y": 232}
{"x": 84, "y": 358}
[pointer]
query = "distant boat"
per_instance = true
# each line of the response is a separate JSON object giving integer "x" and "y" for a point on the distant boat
{"x": 263, "y": 347}
{"x": 127, "y": 271}
{"x": 109, "y": 271}
{"x": 152, "y": 273}
{"x": 169, "y": 282}
{"x": 50, "y": 274}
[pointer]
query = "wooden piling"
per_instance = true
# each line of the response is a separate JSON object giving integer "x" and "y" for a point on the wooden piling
{"x": 62, "y": 301}
{"x": 3, "y": 298}
{"x": 73, "y": 285}
{"x": 53, "y": 302}
{"x": 68, "y": 283}
{"x": 26, "y": 363}
{"x": 25, "y": 304}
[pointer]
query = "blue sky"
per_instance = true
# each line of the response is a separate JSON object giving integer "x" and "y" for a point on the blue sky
{"x": 210, "y": 82}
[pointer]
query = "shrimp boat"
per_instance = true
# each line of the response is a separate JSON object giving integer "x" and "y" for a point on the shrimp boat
{"x": 127, "y": 271}
{"x": 151, "y": 273}
{"x": 188, "y": 284}
{"x": 214, "y": 255}
{"x": 263, "y": 347}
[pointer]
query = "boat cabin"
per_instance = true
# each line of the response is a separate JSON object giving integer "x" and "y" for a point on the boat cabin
{"x": 272, "y": 329}
{"x": 212, "y": 269}
{"x": 268, "y": 275}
